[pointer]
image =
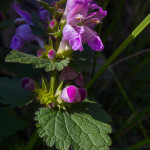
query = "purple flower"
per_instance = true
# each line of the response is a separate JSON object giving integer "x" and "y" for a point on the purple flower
{"x": 40, "y": 52}
{"x": 43, "y": 13}
{"x": 70, "y": 94}
{"x": 51, "y": 54}
{"x": 28, "y": 84}
{"x": 23, "y": 14}
{"x": 77, "y": 13}
{"x": 23, "y": 32}
{"x": 17, "y": 42}
{"x": 83, "y": 94}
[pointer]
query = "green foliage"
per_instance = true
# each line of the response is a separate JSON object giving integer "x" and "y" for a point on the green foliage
{"x": 6, "y": 23}
{"x": 12, "y": 93}
{"x": 82, "y": 61}
{"x": 16, "y": 56}
{"x": 83, "y": 127}
{"x": 10, "y": 123}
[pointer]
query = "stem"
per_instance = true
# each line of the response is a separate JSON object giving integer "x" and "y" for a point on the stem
{"x": 130, "y": 56}
{"x": 130, "y": 38}
{"x": 53, "y": 81}
{"x": 32, "y": 140}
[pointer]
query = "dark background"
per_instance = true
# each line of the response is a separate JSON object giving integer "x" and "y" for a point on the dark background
{"x": 123, "y": 89}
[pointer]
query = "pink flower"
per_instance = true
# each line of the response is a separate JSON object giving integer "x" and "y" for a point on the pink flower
{"x": 77, "y": 13}
{"x": 51, "y": 54}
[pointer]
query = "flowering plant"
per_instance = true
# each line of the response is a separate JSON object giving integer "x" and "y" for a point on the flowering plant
{"x": 67, "y": 117}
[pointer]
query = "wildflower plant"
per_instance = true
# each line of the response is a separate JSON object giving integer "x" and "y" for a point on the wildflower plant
{"x": 60, "y": 43}
{"x": 67, "y": 118}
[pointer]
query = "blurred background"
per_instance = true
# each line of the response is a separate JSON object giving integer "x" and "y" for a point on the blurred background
{"x": 123, "y": 89}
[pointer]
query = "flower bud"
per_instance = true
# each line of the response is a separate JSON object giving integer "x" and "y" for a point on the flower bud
{"x": 40, "y": 52}
{"x": 43, "y": 13}
{"x": 51, "y": 54}
{"x": 52, "y": 23}
{"x": 70, "y": 94}
{"x": 83, "y": 94}
{"x": 28, "y": 84}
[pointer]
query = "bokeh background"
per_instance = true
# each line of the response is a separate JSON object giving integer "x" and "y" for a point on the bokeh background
{"x": 123, "y": 89}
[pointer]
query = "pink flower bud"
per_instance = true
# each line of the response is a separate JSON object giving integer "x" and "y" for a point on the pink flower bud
{"x": 40, "y": 52}
{"x": 70, "y": 94}
{"x": 52, "y": 23}
{"x": 83, "y": 94}
{"x": 51, "y": 54}
{"x": 28, "y": 84}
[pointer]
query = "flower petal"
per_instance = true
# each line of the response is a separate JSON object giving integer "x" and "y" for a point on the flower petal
{"x": 25, "y": 32}
{"x": 77, "y": 13}
{"x": 43, "y": 13}
{"x": 96, "y": 44}
{"x": 25, "y": 15}
{"x": 87, "y": 34}
{"x": 17, "y": 42}
{"x": 94, "y": 17}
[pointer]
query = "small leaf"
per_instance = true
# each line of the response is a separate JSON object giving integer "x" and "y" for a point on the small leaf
{"x": 83, "y": 127}
{"x": 12, "y": 93}
{"x": 16, "y": 56}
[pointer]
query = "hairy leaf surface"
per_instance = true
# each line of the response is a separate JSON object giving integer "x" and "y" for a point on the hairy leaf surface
{"x": 16, "y": 56}
{"x": 84, "y": 127}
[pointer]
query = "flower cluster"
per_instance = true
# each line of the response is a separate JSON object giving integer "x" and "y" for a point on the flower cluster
{"x": 23, "y": 32}
{"x": 80, "y": 22}
{"x": 67, "y": 30}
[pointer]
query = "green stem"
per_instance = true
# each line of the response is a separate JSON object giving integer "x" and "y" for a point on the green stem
{"x": 130, "y": 38}
{"x": 32, "y": 141}
{"x": 53, "y": 81}
{"x": 139, "y": 144}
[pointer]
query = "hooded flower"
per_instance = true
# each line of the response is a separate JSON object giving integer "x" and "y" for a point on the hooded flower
{"x": 43, "y": 13}
{"x": 23, "y": 32}
{"x": 79, "y": 23}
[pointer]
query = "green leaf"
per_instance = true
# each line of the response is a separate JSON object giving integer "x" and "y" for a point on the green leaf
{"x": 83, "y": 127}
{"x": 16, "y": 56}
{"x": 12, "y": 93}
{"x": 10, "y": 123}
{"x": 6, "y": 23}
